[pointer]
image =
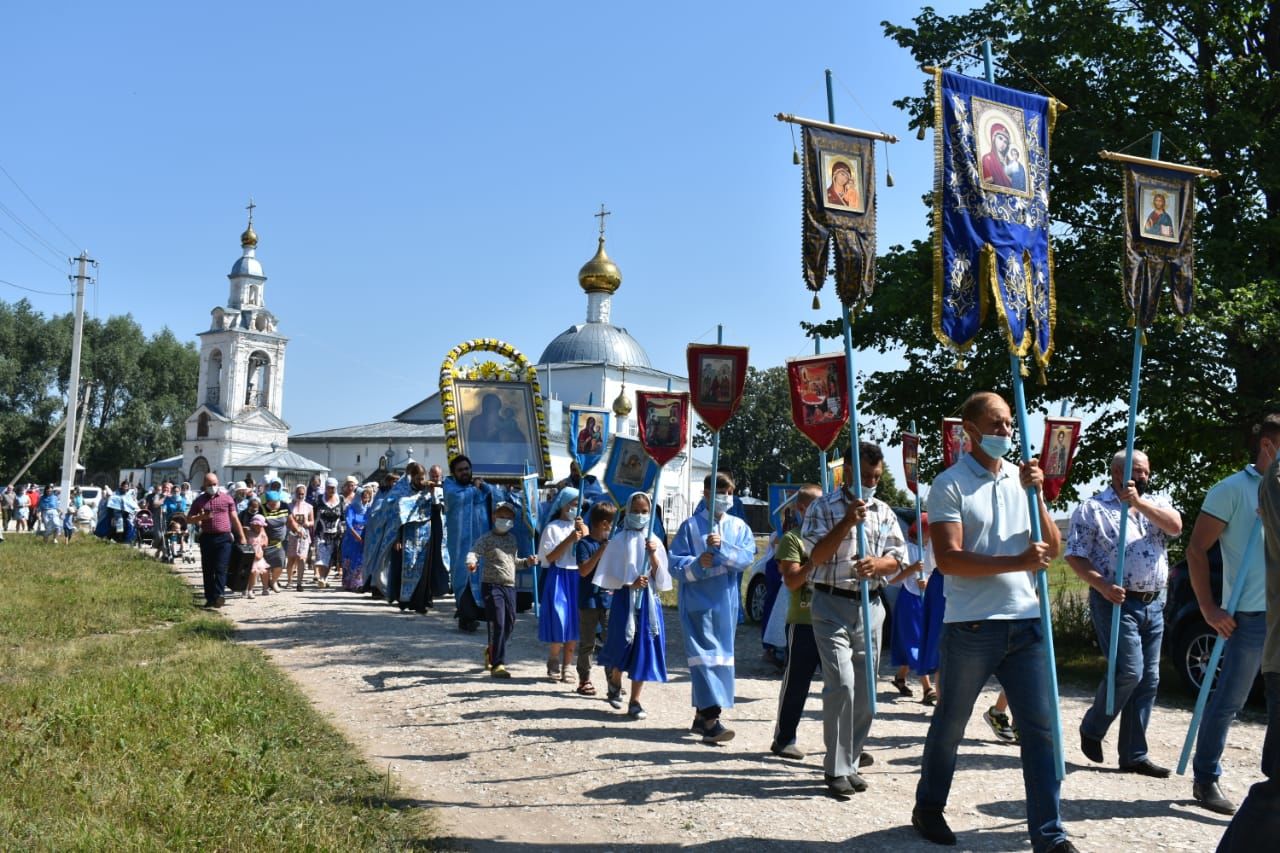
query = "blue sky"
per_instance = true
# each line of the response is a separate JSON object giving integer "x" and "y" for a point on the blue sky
{"x": 427, "y": 173}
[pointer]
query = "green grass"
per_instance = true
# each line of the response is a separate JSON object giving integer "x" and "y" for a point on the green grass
{"x": 132, "y": 722}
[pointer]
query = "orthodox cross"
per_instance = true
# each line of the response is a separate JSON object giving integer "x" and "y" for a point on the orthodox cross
{"x": 250, "y": 206}
{"x": 601, "y": 215}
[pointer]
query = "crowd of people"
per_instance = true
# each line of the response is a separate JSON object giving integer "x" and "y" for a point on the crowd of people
{"x": 967, "y": 607}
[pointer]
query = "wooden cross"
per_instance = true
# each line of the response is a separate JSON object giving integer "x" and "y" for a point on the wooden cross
{"x": 601, "y": 215}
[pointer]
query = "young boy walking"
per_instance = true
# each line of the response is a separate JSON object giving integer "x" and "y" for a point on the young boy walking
{"x": 593, "y": 602}
{"x": 497, "y": 552}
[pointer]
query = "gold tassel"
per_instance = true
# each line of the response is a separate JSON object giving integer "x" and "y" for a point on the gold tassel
{"x": 795, "y": 157}
{"x": 1040, "y": 374}
{"x": 960, "y": 365}
{"x": 1144, "y": 337}
{"x": 1022, "y": 368}
{"x": 920, "y": 133}
{"x": 816, "y": 304}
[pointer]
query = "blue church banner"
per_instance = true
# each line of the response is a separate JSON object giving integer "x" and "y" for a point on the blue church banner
{"x": 991, "y": 214}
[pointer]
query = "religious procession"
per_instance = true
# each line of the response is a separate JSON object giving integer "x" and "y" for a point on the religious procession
{"x": 643, "y": 579}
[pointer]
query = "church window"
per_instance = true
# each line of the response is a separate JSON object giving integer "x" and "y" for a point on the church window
{"x": 259, "y": 375}
{"x": 202, "y": 425}
{"x": 213, "y": 379}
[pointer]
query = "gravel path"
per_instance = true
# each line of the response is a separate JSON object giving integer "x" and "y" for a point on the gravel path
{"x": 528, "y": 765}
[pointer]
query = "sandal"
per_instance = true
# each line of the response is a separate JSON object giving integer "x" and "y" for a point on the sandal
{"x": 564, "y": 674}
{"x": 930, "y": 697}
{"x": 553, "y": 670}
{"x": 901, "y": 684}
{"x": 586, "y": 688}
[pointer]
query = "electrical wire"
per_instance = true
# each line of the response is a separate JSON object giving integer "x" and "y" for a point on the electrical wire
{"x": 34, "y": 290}
{"x": 32, "y": 232}
{"x": 41, "y": 258}
{"x": 32, "y": 201}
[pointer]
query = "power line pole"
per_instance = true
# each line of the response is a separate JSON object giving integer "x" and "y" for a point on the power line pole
{"x": 73, "y": 388}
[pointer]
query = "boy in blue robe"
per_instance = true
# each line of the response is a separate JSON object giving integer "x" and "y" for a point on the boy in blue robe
{"x": 707, "y": 559}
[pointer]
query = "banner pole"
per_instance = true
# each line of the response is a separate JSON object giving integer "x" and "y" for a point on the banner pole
{"x": 823, "y": 479}
{"x": 919, "y": 526}
{"x": 528, "y": 469}
{"x": 712, "y": 524}
{"x": 1135, "y": 374}
{"x": 864, "y": 588}
{"x": 1219, "y": 645}
{"x": 1033, "y": 506}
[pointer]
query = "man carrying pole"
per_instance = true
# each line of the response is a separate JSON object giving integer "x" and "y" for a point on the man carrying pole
{"x": 1259, "y": 815}
{"x": 983, "y": 544}
{"x": 1093, "y": 554}
{"x": 848, "y": 581}
{"x": 1228, "y": 516}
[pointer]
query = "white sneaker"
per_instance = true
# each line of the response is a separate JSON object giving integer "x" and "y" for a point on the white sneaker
{"x": 250, "y": 593}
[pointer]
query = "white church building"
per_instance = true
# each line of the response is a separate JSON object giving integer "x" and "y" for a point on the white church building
{"x": 238, "y": 430}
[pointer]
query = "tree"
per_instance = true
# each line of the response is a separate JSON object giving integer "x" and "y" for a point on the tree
{"x": 1206, "y": 75}
{"x": 139, "y": 391}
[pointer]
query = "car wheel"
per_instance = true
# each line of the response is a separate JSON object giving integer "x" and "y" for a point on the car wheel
{"x": 755, "y": 599}
{"x": 1191, "y": 654}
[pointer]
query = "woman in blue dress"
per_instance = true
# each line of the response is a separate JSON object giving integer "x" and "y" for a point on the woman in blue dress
{"x": 635, "y": 564}
{"x": 558, "y": 616}
{"x": 353, "y": 541}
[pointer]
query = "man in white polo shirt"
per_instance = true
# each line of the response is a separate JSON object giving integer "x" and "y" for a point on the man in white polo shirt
{"x": 981, "y": 534}
{"x": 1228, "y": 516}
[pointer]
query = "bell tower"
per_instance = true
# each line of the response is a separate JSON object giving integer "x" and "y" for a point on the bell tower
{"x": 240, "y": 396}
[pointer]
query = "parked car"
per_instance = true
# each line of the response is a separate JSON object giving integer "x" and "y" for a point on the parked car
{"x": 91, "y": 496}
{"x": 1188, "y": 639}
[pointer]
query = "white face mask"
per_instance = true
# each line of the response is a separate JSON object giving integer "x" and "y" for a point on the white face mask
{"x": 210, "y": 490}
{"x": 722, "y": 504}
{"x": 502, "y": 525}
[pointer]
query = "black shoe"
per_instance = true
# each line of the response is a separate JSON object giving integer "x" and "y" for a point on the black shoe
{"x": 696, "y": 726}
{"x": 1063, "y": 846}
{"x": 839, "y": 785}
{"x": 932, "y": 826}
{"x": 1146, "y": 768}
{"x": 866, "y": 759}
{"x": 1210, "y": 796}
{"x": 1092, "y": 748}
{"x": 716, "y": 733}
{"x": 856, "y": 781}
{"x": 221, "y": 602}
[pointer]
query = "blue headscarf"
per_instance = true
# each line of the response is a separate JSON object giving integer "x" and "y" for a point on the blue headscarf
{"x": 566, "y": 496}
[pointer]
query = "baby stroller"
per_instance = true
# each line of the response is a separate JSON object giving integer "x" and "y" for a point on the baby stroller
{"x": 175, "y": 536}
{"x": 145, "y": 526}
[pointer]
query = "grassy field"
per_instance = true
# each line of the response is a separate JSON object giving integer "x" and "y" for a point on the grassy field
{"x": 132, "y": 722}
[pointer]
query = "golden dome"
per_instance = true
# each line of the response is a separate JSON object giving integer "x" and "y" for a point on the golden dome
{"x": 622, "y": 405}
{"x": 600, "y": 274}
{"x": 249, "y": 239}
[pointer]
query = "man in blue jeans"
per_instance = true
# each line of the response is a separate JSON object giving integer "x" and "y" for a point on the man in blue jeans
{"x": 1092, "y": 553}
{"x": 981, "y": 535}
{"x": 1228, "y": 516}
{"x": 1259, "y": 815}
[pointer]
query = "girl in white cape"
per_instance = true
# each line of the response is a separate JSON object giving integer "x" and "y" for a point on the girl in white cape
{"x": 635, "y": 565}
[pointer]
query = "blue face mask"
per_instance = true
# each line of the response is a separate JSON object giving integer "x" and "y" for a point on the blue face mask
{"x": 996, "y": 446}
{"x": 637, "y": 521}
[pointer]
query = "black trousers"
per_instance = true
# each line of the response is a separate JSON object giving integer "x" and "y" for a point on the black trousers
{"x": 797, "y": 678}
{"x": 500, "y": 610}
{"x": 1259, "y": 814}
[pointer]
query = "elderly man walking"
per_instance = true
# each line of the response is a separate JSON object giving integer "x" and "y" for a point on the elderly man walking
{"x": 981, "y": 533}
{"x": 1092, "y": 552}
{"x": 830, "y": 532}
{"x": 215, "y": 511}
